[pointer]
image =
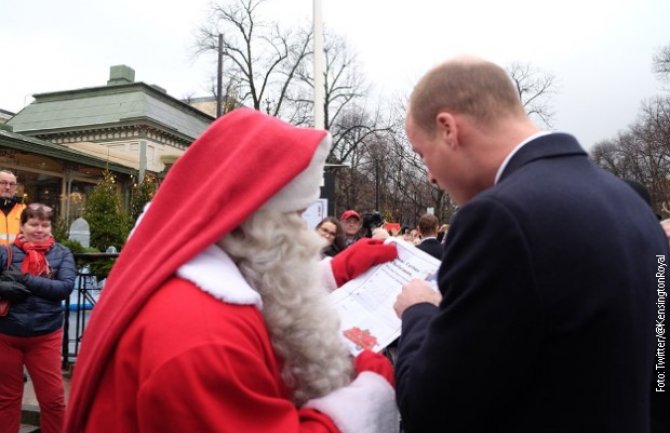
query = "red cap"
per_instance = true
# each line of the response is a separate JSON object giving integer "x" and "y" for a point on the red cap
{"x": 350, "y": 214}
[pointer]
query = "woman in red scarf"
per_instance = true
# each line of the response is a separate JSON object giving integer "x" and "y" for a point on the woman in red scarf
{"x": 41, "y": 275}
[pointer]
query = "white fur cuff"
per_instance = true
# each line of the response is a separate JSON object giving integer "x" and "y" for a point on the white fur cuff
{"x": 367, "y": 405}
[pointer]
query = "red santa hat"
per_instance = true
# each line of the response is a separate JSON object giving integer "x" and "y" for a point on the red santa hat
{"x": 242, "y": 162}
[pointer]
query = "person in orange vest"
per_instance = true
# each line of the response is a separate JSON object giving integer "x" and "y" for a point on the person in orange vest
{"x": 11, "y": 207}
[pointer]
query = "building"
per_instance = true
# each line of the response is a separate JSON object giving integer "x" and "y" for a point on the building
{"x": 5, "y": 116}
{"x": 53, "y": 174}
{"x": 59, "y": 144}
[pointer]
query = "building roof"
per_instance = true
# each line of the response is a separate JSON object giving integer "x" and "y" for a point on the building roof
{"x": 25, "y": 143}
{"x": 5, "y": 115}
{"x": 111, "y": 105}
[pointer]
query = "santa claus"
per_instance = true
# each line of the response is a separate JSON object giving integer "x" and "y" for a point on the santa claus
{"x": 215, "y": 316}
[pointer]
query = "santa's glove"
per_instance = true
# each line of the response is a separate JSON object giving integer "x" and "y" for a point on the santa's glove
{"x": 368, "y": 360}
{"x": 13, "y": 291}
{"x": 359, "y": 257}
{"x": 366, "y": 405}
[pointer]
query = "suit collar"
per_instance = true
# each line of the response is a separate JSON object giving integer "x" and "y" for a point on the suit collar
{"x": 545, "y": 146}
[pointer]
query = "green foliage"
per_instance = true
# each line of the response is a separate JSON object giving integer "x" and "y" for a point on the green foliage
{"x": 60, "y": 230}
{"x": 96, "y": 266}
{"x": 108, "y": 221}
{"x": 142, "y": 193}
{"x": 77, "y": 247}
{"x": 102, "y": 267}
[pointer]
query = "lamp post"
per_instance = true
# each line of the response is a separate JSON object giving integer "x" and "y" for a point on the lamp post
{"x": 376, "y": 185}
{"x": 219, "y": 77}
{"x": 328, "y": 184}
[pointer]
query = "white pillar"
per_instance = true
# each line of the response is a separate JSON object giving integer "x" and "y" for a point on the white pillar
{"x": 143, "y": 161}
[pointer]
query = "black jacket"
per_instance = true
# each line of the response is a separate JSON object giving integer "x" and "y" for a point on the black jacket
{"x": 431, "y": 246}
{"x": 547, "y": 322}
{"x": 40, "y": 313}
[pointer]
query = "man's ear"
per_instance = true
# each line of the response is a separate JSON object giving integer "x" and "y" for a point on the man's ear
{"x": 447, "y": 128}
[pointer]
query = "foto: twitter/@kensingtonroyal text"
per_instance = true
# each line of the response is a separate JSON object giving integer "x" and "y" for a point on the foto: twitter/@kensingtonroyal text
{"x": 662, "y": 295}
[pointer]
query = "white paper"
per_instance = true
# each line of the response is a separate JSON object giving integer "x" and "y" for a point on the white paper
{"x": 365, "y": 304}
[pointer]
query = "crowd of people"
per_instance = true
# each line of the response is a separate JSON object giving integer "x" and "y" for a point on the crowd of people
{"x": 428, "y": 235}
{"x": 549, "y": 314}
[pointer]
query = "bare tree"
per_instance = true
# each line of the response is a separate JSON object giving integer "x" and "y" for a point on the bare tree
{"x": 535, "y": 89}
{"x": 609, "y": 155}
{"x": 259, "y": 56}
{"x": 661, "y": 63}
{"x": 653, "y": 132}
{"x": 345, "y": 90}
{"x": 343, "y": 84}
{"x": 642, "y": 153}
{"x": 358, "y": 143}
{"x": 393, "y": 178}
{"x": 389, "y": 177}
{"x": 272, "y": 70}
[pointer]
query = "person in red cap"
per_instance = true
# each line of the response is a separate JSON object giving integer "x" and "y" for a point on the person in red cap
{"x": 351, "y": 223}
{"x": 215, "y": 316}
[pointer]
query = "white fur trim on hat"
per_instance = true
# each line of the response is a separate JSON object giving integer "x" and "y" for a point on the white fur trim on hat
{"x": 366, "y": 405}
{"x": 304, "y": 189}
{"x": 214, "y": 272}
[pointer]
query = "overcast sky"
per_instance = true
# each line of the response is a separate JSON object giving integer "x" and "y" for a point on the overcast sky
{"x": 599, "y": 51}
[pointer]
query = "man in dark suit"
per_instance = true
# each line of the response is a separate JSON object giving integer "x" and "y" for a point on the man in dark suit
{"x": 545, "y": 320}
{"x": 428, "y": 225}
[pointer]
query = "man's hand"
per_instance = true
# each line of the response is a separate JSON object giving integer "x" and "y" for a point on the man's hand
{"x": 415, "y": 292}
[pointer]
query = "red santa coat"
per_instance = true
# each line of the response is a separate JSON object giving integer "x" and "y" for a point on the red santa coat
{"x": 160, "y": 355}
{"x": 192, "y": 363}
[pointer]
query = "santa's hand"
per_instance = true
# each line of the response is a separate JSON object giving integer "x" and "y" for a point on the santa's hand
{"x": 368, "y": 360}
{"x": 366, "y": 405}
{"x": 360, "y": 257}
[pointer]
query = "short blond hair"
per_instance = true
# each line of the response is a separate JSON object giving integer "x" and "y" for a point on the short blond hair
{"x": 474, "y": 87}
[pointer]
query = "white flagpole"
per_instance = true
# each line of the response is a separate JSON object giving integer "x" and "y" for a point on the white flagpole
{"x": 319, "y": 67}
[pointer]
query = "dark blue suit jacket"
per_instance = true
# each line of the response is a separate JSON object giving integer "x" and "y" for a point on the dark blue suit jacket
{"x": 549, "y": 304}
{"x": 432, "y": 247}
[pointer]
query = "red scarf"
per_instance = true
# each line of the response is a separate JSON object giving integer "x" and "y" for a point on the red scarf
{"x": 35, "y": 262}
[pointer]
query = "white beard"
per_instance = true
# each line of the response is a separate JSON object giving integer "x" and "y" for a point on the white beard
{"x": 278, "y": 256}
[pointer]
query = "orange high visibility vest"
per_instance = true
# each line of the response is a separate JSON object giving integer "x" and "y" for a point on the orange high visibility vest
{"x": 10, "y": 224}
